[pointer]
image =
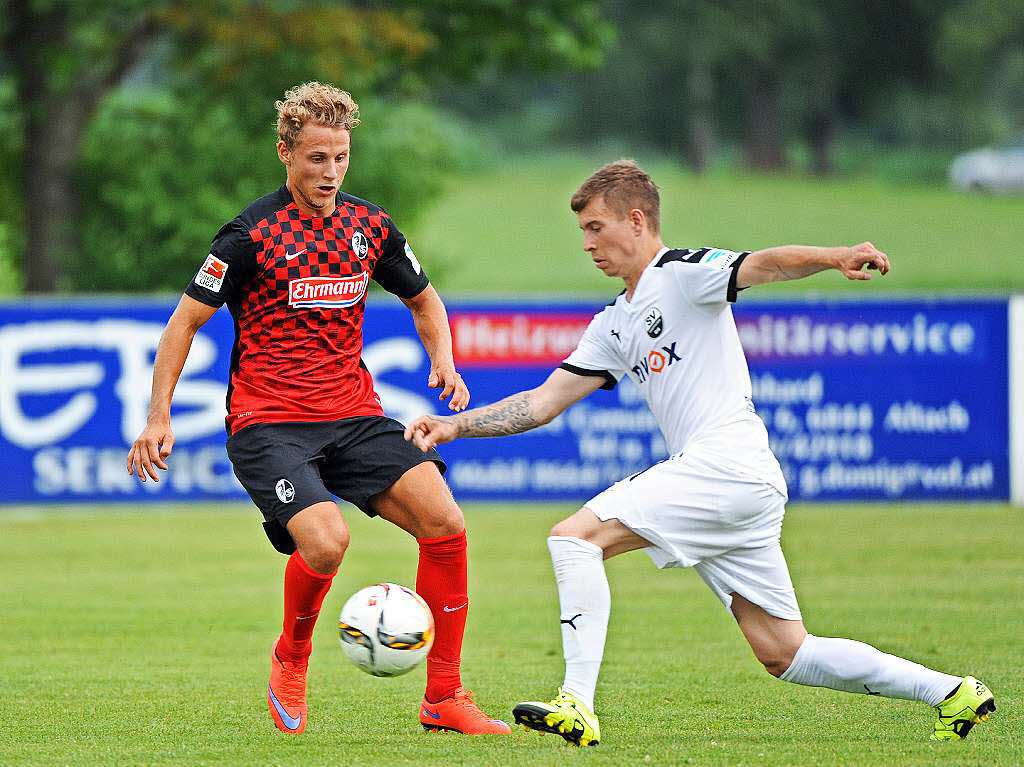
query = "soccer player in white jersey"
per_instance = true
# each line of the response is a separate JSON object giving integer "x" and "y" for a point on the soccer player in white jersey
{"x": 717, "y": 503}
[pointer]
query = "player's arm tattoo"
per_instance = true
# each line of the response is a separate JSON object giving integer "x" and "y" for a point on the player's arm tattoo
{"x": 511, "y": 415}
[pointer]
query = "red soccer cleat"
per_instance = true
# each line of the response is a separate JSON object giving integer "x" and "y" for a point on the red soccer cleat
{"x": 460, "y": 714}
{"x": 286, "y": 694}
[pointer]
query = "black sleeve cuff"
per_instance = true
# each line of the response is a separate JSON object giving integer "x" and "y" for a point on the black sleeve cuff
{"x": 732, "y": 290}
{"x": 203, "y": 296}
{"x": 609, "y": 379}
{"x": 412, "y": 290}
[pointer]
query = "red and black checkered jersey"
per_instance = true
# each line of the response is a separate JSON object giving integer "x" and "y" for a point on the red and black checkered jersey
{"x": 295, "y": 285}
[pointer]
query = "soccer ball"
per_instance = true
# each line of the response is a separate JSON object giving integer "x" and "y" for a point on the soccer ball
{"x": 386, "y": 629}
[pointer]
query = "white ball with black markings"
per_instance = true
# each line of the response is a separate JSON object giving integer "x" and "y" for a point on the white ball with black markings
{"x": 386, "y": 629}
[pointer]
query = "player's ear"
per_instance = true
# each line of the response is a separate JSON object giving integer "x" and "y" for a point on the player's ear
{"x": 283, "y": 153}
{"x": 638, "y": 220}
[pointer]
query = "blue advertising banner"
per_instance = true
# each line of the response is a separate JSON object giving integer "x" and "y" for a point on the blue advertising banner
{"x": 863, "y": 400}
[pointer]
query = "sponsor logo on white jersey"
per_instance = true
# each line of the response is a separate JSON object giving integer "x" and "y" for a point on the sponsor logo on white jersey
{"x": 722, "y": 258}
{"x": 655, "y": 361}
{"x": 211, "y": 276}
{"x": 327, "y": 292}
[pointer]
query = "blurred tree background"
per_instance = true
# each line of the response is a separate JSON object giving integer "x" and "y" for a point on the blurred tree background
{"x": 127, "y": 126}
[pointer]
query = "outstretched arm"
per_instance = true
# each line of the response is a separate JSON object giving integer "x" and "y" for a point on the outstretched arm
{"x": 512, "y": 415}
{"x": 793, "y": 262}
{"x": 431, "y": 319}
{"x": 156, "y": 441}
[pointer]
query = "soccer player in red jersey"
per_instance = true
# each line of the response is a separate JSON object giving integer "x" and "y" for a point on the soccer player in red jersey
{"x": 303, "y": 419}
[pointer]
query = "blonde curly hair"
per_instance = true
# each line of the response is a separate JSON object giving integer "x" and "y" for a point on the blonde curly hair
{"x": 314, "y": 102}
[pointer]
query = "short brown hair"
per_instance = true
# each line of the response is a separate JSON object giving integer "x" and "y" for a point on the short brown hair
{"x": 624, "y": 186}
{"x": 314, "y": 102}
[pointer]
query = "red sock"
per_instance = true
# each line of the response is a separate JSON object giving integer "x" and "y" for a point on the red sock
{"x": 304, "y": 592}
{"x": 441, "y": 581}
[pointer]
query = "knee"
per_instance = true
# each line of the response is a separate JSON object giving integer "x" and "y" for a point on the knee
{"x": 776, "y": 659}
{"x": 325, "y": 553}
{"x": 568, "y": 527}
{"x": 453, "y": 522}
{"x": 561, "y": 529}
{"x": 776, "y": 666}
{"x": 449, "y": 522}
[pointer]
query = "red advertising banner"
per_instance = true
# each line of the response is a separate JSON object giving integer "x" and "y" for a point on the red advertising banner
{"x": 496, "y": 339}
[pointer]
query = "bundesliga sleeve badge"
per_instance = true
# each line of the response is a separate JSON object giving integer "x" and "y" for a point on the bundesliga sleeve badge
{"x": 211, "y": 276}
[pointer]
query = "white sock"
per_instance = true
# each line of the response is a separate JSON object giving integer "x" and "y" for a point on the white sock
{"x": 843, "y": 664}
{"x": 585, "y": 605}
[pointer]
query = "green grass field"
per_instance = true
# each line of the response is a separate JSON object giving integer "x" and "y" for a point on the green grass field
{"x": 143, "y": 638}
{"x": 525, "y": 238}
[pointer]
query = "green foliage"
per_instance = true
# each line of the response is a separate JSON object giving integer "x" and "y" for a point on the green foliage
{"x": 689, "y": 77}
{"x": 11, "y": 214}
{"x": 149, "y": 643}
{"x": 223, "y": 62}
{"x": 160, "y": 179}
{"x": 976, "y": 33}
{"x": 981, "y": 49}
{"x": 377, "y": 44}
{"x": 162, "y": 173}
{"x": 402, "y": 155}
{"x": 930, "y": 120}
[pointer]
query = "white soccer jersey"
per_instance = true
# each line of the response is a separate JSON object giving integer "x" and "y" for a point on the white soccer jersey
{"x": 676, "y": 339}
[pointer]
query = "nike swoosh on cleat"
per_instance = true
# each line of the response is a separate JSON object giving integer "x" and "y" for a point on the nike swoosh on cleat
{"x": 430, "y": 713}
{"x": 448, "y": 609}
{"x": 291, "y": 722}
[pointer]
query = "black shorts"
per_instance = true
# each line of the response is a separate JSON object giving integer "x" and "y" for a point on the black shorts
{"x": 286, "y": 467}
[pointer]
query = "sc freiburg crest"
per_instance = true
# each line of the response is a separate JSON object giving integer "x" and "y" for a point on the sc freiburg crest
{"x": 359, "y": 244}
{"x": 285, "y": 490}
{"x": 653, "y": 322}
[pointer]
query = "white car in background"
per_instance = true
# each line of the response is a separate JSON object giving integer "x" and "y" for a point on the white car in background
{"x": 992, "y": 169}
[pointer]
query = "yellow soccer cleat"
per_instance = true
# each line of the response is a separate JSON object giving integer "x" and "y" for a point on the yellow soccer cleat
{"x": 565, "y": 716}
{"x": 970, "y": 704}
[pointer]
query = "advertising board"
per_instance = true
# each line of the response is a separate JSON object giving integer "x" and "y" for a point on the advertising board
{"x": 904, "y": 399}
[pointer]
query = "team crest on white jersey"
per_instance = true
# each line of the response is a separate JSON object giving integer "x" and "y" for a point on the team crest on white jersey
{"x": 654, "y": 322}
{"x": 360, "y": 245}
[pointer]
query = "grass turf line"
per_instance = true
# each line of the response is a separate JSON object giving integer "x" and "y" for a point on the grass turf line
{"x": 143, "y": 638}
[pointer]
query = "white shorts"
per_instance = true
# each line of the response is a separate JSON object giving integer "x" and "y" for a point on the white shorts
{"x": 725, "y": 526}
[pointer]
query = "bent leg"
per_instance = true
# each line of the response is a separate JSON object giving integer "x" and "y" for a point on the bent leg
{"x": 579, "y": 545}
{"x": 775, "y": 641}
{"x": 321, "y": 538}
{"x": 790, "y": 653}
{"x": 611, "y": 536}
{"x": 421, "y": 504}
